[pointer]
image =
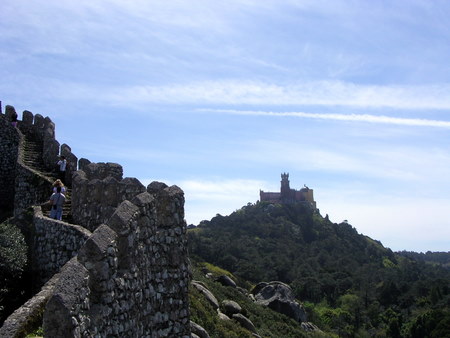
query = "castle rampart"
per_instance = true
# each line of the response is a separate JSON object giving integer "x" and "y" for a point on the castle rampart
{"x": 127, "y": 278}
{"x": 24, "y": 186}
{"x": 131, "y": 276}
{"x": 97, "y": 191}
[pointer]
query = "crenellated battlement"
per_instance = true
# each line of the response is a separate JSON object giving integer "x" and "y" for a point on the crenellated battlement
{"x": 121, "y": 269}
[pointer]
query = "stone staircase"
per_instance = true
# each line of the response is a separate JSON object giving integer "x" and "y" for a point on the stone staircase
{"x": 33, "y": 158}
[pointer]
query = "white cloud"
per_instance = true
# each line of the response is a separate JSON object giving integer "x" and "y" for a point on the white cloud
{"x": 345, "y": 117}
{"x": 238, "y": 92}
{"x": 320, "y": 93}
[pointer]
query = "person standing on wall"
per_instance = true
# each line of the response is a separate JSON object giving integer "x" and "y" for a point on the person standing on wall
{"x": 62, "y": 163}
{"x": 14, "y": 119}
{"x": 59, "y": 183}
{"x": 57, "y": 200}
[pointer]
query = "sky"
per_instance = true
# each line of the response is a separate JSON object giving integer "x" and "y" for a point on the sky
{"x": 351, "y": 98}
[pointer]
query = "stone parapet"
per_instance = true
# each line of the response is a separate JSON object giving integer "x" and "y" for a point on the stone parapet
{"x": 130, "y": 278}
{"x": 98, "y": 190}
{"x": 55, "y": 243}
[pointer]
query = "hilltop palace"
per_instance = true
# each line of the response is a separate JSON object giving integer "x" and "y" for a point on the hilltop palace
{"x": 288, "y": 195}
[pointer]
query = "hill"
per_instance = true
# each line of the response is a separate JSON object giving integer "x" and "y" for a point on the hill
{"x": 435, "y": 258}
{"x": 348, "y": 281}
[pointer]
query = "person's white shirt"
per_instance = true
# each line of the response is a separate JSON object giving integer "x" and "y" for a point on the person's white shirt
{"x": 62, "y": 165}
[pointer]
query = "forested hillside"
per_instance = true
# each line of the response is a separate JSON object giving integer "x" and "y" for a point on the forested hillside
{"x": 349, "y": 282}
{"x": 435, "y": 258}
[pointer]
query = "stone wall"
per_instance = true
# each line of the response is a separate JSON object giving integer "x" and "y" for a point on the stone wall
{"x": 55, "y": 243}
{"x": 130, "y": 279}
{"x": 31, "y": 188}
{"x": 20, "y": 185}
{"x": 97, "y": 190}
{"x": 9, "y": 152}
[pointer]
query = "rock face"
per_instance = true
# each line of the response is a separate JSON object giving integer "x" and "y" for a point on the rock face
{"x": 279, "y": 297}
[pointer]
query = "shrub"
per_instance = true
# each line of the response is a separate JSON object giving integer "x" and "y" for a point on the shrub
{"x": 13, "y": 261}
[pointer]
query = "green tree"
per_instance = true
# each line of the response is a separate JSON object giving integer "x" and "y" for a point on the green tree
{"x": 13, "y": 260}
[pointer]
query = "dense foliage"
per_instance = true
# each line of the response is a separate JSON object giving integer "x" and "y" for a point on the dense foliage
{"x": 352, "y": 284}
{"x": 267, "y": 322}
{"x": 436, "y": 258}
{"x": 13, "y": 260}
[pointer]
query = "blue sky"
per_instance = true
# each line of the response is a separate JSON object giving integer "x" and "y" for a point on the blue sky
{"x": 352, "y": 98}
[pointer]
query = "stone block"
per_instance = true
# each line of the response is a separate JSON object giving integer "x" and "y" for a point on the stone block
{"x": 82, "y": 163}
{"x": 96, "y": 247}
{"x": 38, "y": 121}
{"x": 122, "y": 217}
{"x": 57, "y": 320}
{"x": 27, "y": 118}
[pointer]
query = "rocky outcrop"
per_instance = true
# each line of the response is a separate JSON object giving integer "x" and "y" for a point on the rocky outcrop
{"x": 279, "y": 297}
{"x": 226, "y": 281}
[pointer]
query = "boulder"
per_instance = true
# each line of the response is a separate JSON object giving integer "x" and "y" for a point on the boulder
{"x": 279, "y": 297}
{"x": 208, "y": 294}
{"x": 226, "y": 281}
{"x": 244, "y": 322}
{"x": 231, "y": 307}
{"x": 309, "y": 327}
{"x": 223, "y": 316}
{"x": 198, "y": 331}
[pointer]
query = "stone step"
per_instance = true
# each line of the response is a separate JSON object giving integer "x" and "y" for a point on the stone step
{"x": 33, "y": 158}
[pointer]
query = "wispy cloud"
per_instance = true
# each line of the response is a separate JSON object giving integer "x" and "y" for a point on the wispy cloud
{"x": 345, "y": 117}
{"x": 320, "y": 93}
{"x": 235, "y": 92}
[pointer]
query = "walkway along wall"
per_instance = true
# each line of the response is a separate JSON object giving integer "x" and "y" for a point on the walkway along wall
{"x": 23, "y": 186}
